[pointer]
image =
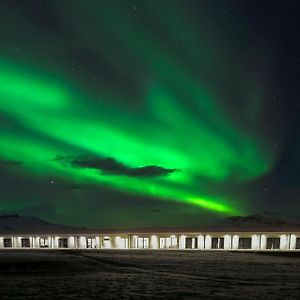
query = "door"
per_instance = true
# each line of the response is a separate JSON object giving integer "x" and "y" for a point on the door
{"x": 188, "y": 243}
{"x": 162, "y": 243}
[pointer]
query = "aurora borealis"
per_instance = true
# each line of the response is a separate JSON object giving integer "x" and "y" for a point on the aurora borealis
{"x": 147, "y": 113}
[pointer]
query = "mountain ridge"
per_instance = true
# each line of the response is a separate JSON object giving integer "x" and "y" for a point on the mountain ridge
{"x": 10, "y": 224}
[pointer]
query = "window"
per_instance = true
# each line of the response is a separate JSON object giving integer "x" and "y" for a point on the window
{"x": 273, "y": 243}
{"x": 143, "y": 243}
{"x": 7, "y": 243}
{"x": 196, "y": 243}
{"x": 25, "y": 243}
{"x": 146, "y": 242}
{"x": 245, "y": 243}
{"x": 62, "y": 243}
{"x": 217, "y": 243}
{"x": 173, "y": 242}
{"x": 188, "y": 243}
{"x": 191, "y": 243}
{"x": 90, "y": 243}
{"x": 221, "y": 243}
{"x": 214, "y": 243}
{"x": 298, "y": 243}
{"x": 162, "y": 243}
{"x": 44, "y": 243}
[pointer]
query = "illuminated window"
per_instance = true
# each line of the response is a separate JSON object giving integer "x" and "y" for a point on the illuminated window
{"x": 245, "y": 243}
{"x": 90, "y": 243}
{"x": 143, "y": 242}
{"x": 191, "y": 243}
{"x": 273, "y": 243}
{"x": 44, "y": 243}
{"x": 162, "y": 243}
{"x": 170, "y": 242}
{"x": 25, "y": 243}
{"x": 217, "y": 243}
{"x": 7, "y": 243}
{"x": 173, "y": 241}
{"x": 62, "y": 243}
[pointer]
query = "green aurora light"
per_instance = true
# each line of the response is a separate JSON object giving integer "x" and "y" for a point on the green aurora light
{"x": 179, "y": 123}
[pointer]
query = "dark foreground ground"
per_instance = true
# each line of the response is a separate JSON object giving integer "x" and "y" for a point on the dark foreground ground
{"x": 148, "y": 275}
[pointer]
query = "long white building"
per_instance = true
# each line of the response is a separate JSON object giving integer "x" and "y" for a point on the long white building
{"x": 175, "y": 240}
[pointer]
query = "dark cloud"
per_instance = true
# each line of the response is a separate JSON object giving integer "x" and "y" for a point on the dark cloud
{"x": 10, "y": 162}
{"x": 110, "y": 166}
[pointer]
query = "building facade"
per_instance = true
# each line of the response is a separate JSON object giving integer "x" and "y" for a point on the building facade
{"x": 229, "y": 241}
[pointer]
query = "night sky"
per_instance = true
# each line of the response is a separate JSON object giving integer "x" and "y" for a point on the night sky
{"x": 126, "y": 114}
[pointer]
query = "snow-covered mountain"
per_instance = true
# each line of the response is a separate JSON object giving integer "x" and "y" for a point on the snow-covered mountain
{"x": 265, "y": 221}
{"x": 24, "y": 224}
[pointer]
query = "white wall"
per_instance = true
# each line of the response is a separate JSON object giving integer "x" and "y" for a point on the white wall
{"x": 71, "y": 242}
{"x": 255, "y": 242}
{"x": 106, "y": 244}
{"x": 81, "y": 242}
{"x": 35, "y": 242}
{"x": 207, "y": 242}
{"x": 55, "y": 242}
{"x": 227, "y": 242}
{"x": 120, "y": 242}
{"x": 98, "y": 244}
{"x": 173, "y": 241}
{"x": 154, "y": 244}
{"x": 263, "y": 245}
{"x": 18, "y": 242}
{"x": 235, "y": 242}
{"x": 182, "y": 242}
{"x": 293, "y": 242}
{"x": 201, "y": 242}
{"x": 283, "y": 242}
{"x": 140, "y": 242}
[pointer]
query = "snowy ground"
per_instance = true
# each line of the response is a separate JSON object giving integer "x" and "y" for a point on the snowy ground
{"x": 148, "y": 275}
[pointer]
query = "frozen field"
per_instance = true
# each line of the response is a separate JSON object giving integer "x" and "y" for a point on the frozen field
{"x": 148, "y": 275}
